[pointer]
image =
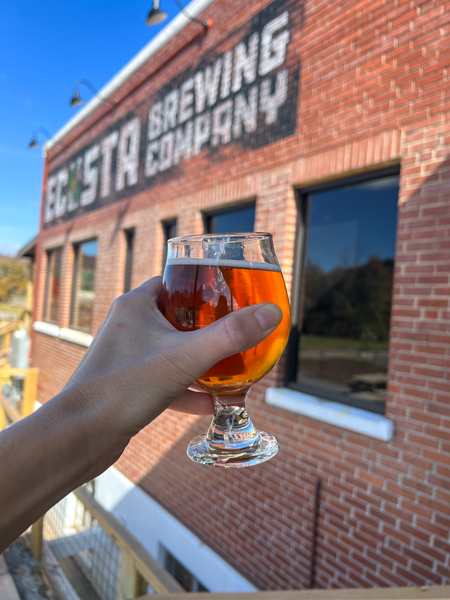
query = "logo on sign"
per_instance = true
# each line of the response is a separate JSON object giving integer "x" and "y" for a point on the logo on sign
{"x": 246, "y": 95}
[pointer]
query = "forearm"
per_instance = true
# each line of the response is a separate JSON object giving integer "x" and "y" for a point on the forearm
{"x": 44, "y": 457}
{"x": 137, "y": 365}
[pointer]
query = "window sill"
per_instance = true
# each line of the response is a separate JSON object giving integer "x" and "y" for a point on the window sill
{"x": 47, "y": 328}
{"x": 76, "y": 337}
{"x": 341, "y": 415}
{"x": 68, "y": 335}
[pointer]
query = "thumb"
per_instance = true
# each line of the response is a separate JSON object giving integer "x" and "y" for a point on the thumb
{"x": 237, "y": 332}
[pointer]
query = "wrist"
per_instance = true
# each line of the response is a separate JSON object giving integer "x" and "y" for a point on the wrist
{"x": 96, "y": 439}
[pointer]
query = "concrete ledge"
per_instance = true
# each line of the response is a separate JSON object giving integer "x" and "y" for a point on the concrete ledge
{"x": 341, "y": 415}
{"x": 76, "y": 337}
{"x": 8, "y": 590}
{"x": 47, "y": 328}
{"x": 68, "y": 335}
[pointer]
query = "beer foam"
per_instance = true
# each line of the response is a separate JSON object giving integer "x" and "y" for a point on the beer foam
{"x": 223, "y": 262}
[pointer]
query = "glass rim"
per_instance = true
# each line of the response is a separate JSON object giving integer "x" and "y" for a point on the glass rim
{"x": 207, "y": 237}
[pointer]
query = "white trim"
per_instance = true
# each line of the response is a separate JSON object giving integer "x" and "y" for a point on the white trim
{"x": 153, "y": 525}
{"x": 76, "y": 337}
{"x": 194, "y": 9}
{"x": 68, "y": 335}
{"x": 7, "y": 585}
{"x": 341, "y": 415}
{"x": 47, "y": 328}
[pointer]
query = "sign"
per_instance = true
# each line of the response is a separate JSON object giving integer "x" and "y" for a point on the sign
{"x": 246, "y": 95}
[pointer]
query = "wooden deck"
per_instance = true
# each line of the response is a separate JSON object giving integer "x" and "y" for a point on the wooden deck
{"x": 407, "y": 593}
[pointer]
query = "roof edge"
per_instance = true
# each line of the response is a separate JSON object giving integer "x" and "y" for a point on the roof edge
{"x": 196, "y": 7}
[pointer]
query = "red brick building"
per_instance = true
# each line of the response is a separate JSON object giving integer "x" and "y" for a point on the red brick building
{"x": 327, "y": 124}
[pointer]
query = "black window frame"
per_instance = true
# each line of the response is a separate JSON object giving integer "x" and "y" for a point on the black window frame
{"x": 208, "y": 215}
{"x": 292, "y": 350}
{"x": 167, "y": 224}
{"x": 76, "y": 247}
{"x": 168, "y": 557}
{"x": 49, "y": 277}
{"x": 129, "y": 251}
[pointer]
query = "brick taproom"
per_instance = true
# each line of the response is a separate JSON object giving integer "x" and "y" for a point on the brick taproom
{"x": 326, "y": 124}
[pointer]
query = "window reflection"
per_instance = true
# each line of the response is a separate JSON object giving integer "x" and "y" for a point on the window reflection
{"x": 238, "y": 219}
{"x": 170, "y": 231}
{"x": 129, "y": 241}
{"x": 347, "y": 289}
{"x": 53, "y": 285}
{"x": 83, "y": 294}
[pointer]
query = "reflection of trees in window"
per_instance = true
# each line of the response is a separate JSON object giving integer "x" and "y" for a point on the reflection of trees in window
{"x": 52, "y": 285}
{"x": 349, "y": 303}
{"x": 83, "y": 291}
{"x": 347, "y": 290}
{"x": 129, "y": 242}
{"x": 170, "y": 230}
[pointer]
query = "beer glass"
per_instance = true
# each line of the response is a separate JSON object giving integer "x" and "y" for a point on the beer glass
{"x": 205, "y": 278}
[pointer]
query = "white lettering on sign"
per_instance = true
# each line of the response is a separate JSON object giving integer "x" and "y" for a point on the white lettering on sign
{"x": 50, "y": 199}
{"x": 186, "y": 100}
{"x": 108, "y": 145}
{"x": 273, "y": 47}
{"x": 241, "y": 90}
{"x": 155, "y": 121}
{"x": 271, "y": 102}
{"x": 128, "y": 154}
{"x": 245, "y": 63}
{"x": 207, "y": 86}
{"x": 245, "y": 112}
{"x": 61, "y": 193}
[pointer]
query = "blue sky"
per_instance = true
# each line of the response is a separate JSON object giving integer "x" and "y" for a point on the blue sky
{"x": 45, "y": 47}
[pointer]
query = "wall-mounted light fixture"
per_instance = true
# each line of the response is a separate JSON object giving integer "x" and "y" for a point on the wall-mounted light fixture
{"x": 156, "y": 15}
{"x": 76, "y": 100}
{"x": 34, "y": 142}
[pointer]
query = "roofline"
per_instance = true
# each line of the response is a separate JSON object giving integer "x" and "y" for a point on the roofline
{"x": 196, "y": 7}
{"x": 29, "y": 246}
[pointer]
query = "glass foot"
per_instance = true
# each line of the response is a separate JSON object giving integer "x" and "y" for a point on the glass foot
{"x": 206, "y": 452}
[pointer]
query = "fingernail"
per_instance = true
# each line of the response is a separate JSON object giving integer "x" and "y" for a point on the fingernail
{"x": 269, "y": 316}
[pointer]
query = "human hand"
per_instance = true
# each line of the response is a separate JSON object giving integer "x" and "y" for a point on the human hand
{"x": 138, "y": 365}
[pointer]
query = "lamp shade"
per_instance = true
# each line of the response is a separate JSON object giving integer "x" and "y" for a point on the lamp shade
{"x": 76, "y": 100}
{"x": 155, "y": 15}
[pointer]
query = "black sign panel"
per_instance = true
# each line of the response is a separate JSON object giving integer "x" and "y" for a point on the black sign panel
{"x": 246, "y": 96}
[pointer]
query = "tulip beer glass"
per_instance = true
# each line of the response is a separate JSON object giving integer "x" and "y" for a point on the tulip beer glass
{"x": 206, "y": 277}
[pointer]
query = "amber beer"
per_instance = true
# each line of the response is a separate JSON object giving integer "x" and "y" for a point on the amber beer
{"x": 197, "y": 292}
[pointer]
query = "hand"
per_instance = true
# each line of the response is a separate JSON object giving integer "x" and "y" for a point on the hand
{"x": 138, "y": 364}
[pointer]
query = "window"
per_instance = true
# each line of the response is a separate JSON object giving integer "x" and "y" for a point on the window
{"x": 83, "y": 289}
{"x": 170, "y": 231}
{"x": 129, "y": 241}
{"x": 237, "y": 219}
{"x": 52, "y": 285}
{"x": 179, "y": 572}
{"x": 339, "y": 349}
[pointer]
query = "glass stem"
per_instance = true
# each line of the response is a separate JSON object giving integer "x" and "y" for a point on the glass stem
{"x": 231, "y": 427}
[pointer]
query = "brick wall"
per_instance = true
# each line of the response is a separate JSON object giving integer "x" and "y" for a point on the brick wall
{"x": 373, "y": 92}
